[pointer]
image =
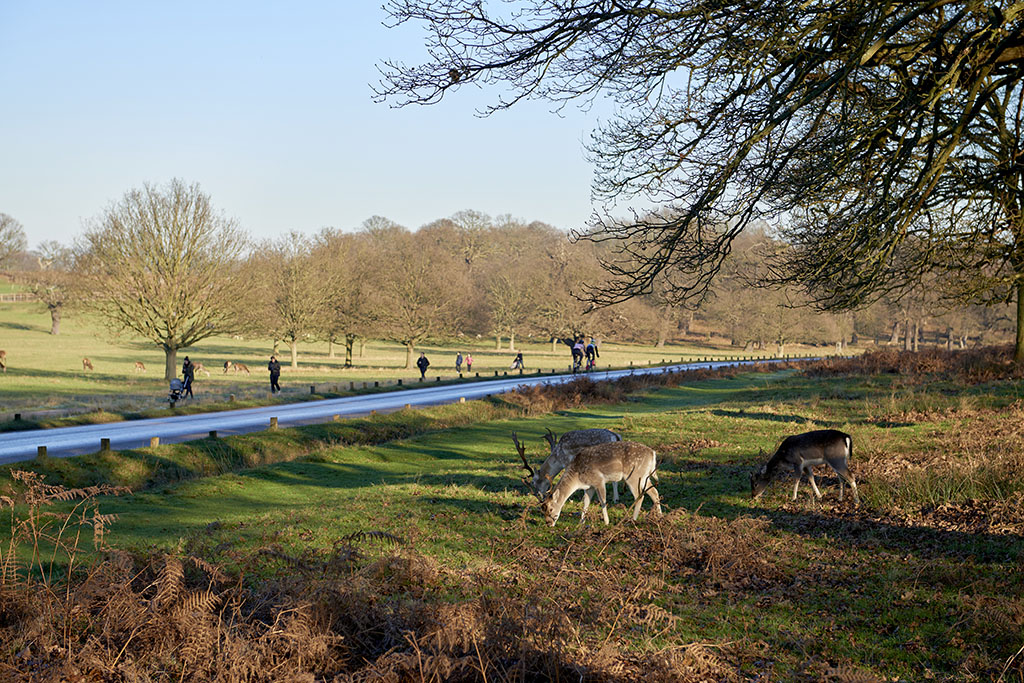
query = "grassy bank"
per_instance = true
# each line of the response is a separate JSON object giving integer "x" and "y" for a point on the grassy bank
{"x": 424, "y": 557}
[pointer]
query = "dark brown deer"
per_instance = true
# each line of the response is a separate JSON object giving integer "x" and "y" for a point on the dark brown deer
{"x": 801, "y": 453}
{"x": 595, "y": 466}
{"x": 86, "y": 364}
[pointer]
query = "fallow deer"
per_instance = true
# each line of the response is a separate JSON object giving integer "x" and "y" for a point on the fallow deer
{"x": 802, "y": 452}
{"x": 140, "y": 366}
{"x": 564, "y": 450}
{"x": 3, "y": 360}
{"x": 86, "y": 364}
{"x": 595, "y": 466}
{"x": 199, "y": 367}
{"x": 235, "y": 367}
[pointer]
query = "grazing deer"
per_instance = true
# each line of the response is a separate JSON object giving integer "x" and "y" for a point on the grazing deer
{"x": 140, "y": 366}
{"x": 802, "y": 452}
{"x": 563, "y": 451}
{"x": 235, "y": 367}
{"x": 3, "y": 360}
{"x": 199, "y": 367}
{"x": 86, "y": 364}
{"x": 595, "y": 466}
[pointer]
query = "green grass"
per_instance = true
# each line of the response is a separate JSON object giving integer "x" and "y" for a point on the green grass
{"x": 794, "y": 588}
{"x": 45, "y": 379}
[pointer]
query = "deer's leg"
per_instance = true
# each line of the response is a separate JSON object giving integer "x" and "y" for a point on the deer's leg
{"x": 845, "y": 476}
{"x": 587, "y": 493}
{"x": 655, "y": 498}
{"x": 814, "y": 486}
{"x": 602, "y": 498}
{"x": 796, "y": 486}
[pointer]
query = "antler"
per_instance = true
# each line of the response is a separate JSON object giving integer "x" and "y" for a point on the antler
{"x": 551, "y": 437}
{"x": 522, "y": 454}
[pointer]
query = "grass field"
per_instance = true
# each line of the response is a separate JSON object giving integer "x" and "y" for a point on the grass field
{"x": 424, "y": 557}
{"x": 45, "y": 372}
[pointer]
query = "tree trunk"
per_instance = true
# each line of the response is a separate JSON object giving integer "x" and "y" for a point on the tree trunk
{"x": 54, "y": 319}
{"x": 274, "y": 351}
{"x": 1018, "y": 348}
{"x": 330, "y": 348}
{"x": 554, "y": 345}
{"x": 949, "y": 338}
{"x": 293, "y": 345}
{"x": 409, "y": 348}
{"x": 917, "y": 335}
{"x": 362, "y": 347}
{"x": 511, "y": 341}
{"x": 350, "y": 341}
{"x": 781, "y": 351}
{"x": 908, "y": 343}
{"x": 497, "y": 342}
{"x": 171, "y": 364}
{"x": 895, "y": 336}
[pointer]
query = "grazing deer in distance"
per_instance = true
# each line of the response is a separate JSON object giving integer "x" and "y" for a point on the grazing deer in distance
{"x": 140, "y": 366}
{"x": 199, "y": 367}
{"x": 3, "y": 360}
{"x": 86, "y": 364}
{"x": 564, "y": 450}
{"x": 235, "y": 367}
{"x": 595, "y": 466}
{"x": 802, "y": 452}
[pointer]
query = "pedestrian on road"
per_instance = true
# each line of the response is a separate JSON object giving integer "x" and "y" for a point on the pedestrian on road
{"x": 469, "y": 362}
{"x": 275, "y": 374}
{"x": 577, "y": 355}
{"x": 423, "y": 364}
{"x": 188, "y": 373}
{"x": 592, "y": 354}
{"x": 458, "y": 362}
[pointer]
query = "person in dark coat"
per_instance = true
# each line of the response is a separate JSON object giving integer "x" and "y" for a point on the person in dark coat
{"x": 275, "y": 374}
{"x": 422, "y": 363}
{"x": 592, "y": 354}
{"x": 188, "y": 373}
{"x": 517, "y": 364}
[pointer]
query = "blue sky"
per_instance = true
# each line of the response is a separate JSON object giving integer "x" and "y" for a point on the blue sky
{"x": 268, "y": 107}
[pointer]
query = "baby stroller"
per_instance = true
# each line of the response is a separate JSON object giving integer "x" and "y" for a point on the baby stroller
{"x": 177, "y": 390}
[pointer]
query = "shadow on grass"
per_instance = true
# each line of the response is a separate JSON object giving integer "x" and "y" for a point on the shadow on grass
{"x": 769, "y": 417}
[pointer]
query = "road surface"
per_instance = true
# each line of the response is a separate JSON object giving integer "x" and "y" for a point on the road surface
{"x": 63, "y": 442}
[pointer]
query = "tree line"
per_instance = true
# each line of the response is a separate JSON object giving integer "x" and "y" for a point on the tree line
{"x": 163, "y": 264}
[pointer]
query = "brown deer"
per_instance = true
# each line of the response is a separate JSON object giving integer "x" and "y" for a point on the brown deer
{"x": 140, "y": 366}
{"x": 86, "y": 364}
{"x": 563, "y": 451}
{"x": 235, "y": 367}
{"x": 802, "y": 452}
{"x": 595, "y": 466}
{"x": 3, "y": 360}
{"x": 199, "y": 367}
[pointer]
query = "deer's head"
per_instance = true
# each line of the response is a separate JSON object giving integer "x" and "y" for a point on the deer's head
{"x": 759, "y": 478}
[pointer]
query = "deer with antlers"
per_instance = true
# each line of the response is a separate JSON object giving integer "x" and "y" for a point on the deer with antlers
{"x": 563, "y": 451}
{"x": 595, "y": 466}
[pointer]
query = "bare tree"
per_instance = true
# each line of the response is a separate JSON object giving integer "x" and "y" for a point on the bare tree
{"x": 55, "y": 283}
{"x": 347, "y": 316}
{"x": 866, "y": 122}
{"x": 290, "y": 291}
{"x": 12, "y": 239}
{"x": 416, "y": 290}
{"x": 159, "y": 264}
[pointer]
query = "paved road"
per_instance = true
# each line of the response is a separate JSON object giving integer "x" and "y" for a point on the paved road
{"x": 67, "y": 441}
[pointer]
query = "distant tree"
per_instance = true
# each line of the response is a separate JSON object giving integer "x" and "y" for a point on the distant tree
{"x": 159, "y": 263}
{"x": 12, "y": 239}
{"x": 290, "y": 290}
{"x": 55, "y": 282}
{"x": 416, "y": 289}
{"x": 347, "y": 316}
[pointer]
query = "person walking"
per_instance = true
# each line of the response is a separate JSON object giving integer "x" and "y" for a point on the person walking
{"x": 422, "y": 363}
{"x": 275, "y": 374}
{"x": 188, "y": 373}
{"x": 469, "y": 362}
{"x": 517, "y": 364}
{"x": 458, "y": 362}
